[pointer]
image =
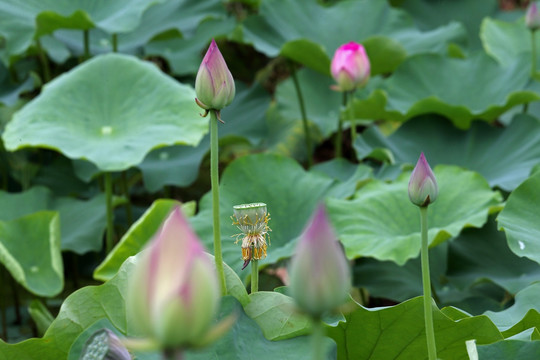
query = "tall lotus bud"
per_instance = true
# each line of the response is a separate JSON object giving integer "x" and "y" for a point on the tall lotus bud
{"x": 105, "y": 345}
{"x": 320, "y": 278}
{"x": 174, "y": 293}
{"x": 252, "y": 220}
{"x": 532, "y": 17}
{"x": 423, "y": 189}
{"x": 214, "y": 84}
{"x": 350, "y": 67}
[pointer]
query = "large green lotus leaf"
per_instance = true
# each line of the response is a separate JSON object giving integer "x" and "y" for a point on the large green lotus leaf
{"x": 483, "y": 90}
{"x": 179, "y": 18}
{"x": 277, "y": 315}
{"x": 398, "y": 333}
{"x": 477, "y": 255}
{"x": 509, "y": 349}
{"x": 179, "y": 165}
{"x": 291, "y": 195}
{"x": 523, "y": 314}
{"x": 287, "y": 28}
{"x": 504, "y": 156}
{"x": 103, "y": 111}
{"x": 322, "y": 104}
{"x": 30, "y": 250}
{"x": 135, "y": 238}
{"x": 22, "y": 21}
{"x": 507, "y": 41}
{"x": 82, "y": 223}
{"x": 381, "y": 222}
{"x": 519, "y": 219}
{"x": 432, "y": 14}
{"x": 9, "y": 92}
{"x": 346, "y": 174}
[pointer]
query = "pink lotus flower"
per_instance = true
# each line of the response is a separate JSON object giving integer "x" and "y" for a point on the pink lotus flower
{"x": 423, "y": 188}
{"x": 350, "y": 67}
{"x": 174, "y": 293}
{"x": 532, "y": 17}
{"x": 214, "y": 83}
{"x": 320, "y": 278}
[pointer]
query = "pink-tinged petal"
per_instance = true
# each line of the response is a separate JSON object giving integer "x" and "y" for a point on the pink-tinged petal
{"x": 423, "y": 188}
{"x": 532, "y": 17}
{"x": 350, "y": 66}
{"x": 319, "y": 272}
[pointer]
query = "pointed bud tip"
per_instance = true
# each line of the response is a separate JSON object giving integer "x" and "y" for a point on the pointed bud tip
{"x": 423, "y": 188}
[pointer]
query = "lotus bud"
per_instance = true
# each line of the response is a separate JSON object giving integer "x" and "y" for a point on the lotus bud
{"x": 104, "y": 345}
{"x": 532, "y": 17}
{"x": 350, "y": 67}
{"x": 214, "y": 83}
{"x": 174, "y": 292}
{"x": 252, "y": 220}
{"x": 320, "y": 278}
{"x": 423, "y": 189}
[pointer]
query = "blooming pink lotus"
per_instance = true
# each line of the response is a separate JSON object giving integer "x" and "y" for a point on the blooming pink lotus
{"x": 214, "y": 83}
{"x": 319, "y": 273}
{"x": 174, "y": 293}
{"x": 423, "y": 188}
{"x": 350, "y": 67}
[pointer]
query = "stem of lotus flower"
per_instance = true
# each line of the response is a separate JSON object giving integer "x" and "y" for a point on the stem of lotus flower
{"x": 125, "y": 190}
{"x": 533, "y": 53}
{"x": 86, "y": 41}
{"x": 307, "y": 134}
{"x": 44, "y": 62}
{"x": 351, "y": 116}
{"x": 426, "y": 282}
{"x": 115, "y": 42}
{"x": 338, "y": 145}
{"x": 109, "y": 240}
{"x": 254, "y": 275}
{"x": 317, "y": 340}
{"x": 214, "y": 178}
{"x": 3, "y": 276}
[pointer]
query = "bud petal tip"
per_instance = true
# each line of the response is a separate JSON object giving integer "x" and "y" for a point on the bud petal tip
{"x": 423, "y": 187}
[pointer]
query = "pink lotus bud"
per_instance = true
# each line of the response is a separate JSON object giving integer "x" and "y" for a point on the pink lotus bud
{"x": 174, "y": 292}
{"x": 423, "y": 189}
{"x": 214, "y": 84}
{"x": 532, "y": 17}
{"x": 350, "y": 66}
{"x": 320, "y": 278}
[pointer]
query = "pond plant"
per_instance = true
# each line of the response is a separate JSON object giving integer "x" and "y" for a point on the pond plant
{"x": 118, "y": 190}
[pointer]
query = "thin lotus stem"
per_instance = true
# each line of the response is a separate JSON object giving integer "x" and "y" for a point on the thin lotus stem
{"x": 44, "y": 62}
{"x": 109, "y": 240}
{"x": 115, "y": 42}
{"x": 214, "y": 177}
{"x": 338, "y": 145}
{"x": 351, "y": 116}
{"x": 125, "y": 190}
{"x": 16, "y": 300}
{"x": 303, "y": 113}
{"x": 4, "y": 335}
{"x": 317, "y": 338}
{"x": 86, "y": 41}
{"x": 533, "y": 53}
{"x": 426, "y": 282}
{"x": 254, "y": 275}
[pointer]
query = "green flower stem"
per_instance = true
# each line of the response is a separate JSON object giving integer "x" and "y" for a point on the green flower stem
{"x": 86, "y": 41}
{"x": 351, "y": 116}
{"x": 426, "y": 282}
{"x": 4, "y": 335}
{"x": 114, "y": 42}
{"x": 16, "y": 299}
{"x": 44, "y": 62}
{"x": 109, "y": 240}
{"x": 533, "y": 53}
{"x": 125, "y": 190}
{"x": 338, "y": 145}
{"x": 214, "y": 177}
{"x": 254, "y": 275}
{"x": 307, "y": 134}
{"x": 317, "y": 340}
